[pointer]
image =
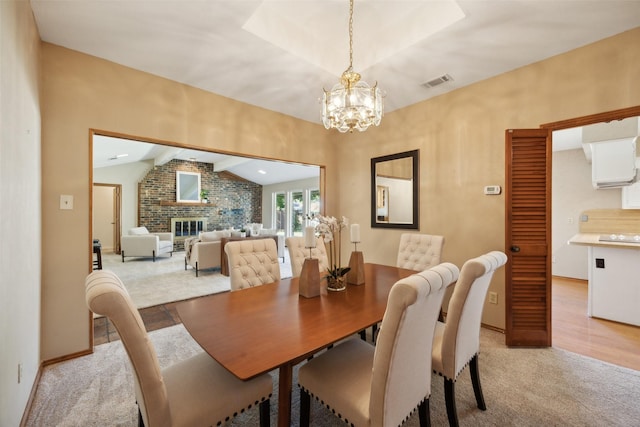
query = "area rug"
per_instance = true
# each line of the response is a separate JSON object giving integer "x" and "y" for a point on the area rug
{"x": 166, "y": 280}
{"x": 522, "y": 387}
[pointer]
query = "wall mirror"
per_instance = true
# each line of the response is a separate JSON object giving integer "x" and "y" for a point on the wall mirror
{"x": 394, "y": 191}
{"x": 187, "y": 187}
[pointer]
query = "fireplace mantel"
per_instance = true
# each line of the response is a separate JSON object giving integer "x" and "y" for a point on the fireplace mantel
{"x": 168, "y": 203}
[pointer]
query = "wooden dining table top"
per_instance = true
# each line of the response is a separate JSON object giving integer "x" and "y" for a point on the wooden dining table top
{"x": 256, "y": 330}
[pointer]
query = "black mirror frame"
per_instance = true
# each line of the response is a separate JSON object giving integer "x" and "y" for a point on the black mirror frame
{"x": 415, "y": 155}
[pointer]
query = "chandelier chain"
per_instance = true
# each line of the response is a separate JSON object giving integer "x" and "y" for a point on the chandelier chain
{"x": 351, "y": 103}
{"x": 350, "y": 35}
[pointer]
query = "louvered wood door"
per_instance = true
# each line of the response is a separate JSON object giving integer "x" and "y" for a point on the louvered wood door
{"x": 528, "y": 237}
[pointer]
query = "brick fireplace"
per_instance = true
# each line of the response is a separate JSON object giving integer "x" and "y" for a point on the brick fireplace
{"x": 233, "y": 201}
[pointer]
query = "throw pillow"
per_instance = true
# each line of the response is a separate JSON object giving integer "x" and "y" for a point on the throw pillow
{"x": 138, "y": 231}
{"x": 212, "y": 236}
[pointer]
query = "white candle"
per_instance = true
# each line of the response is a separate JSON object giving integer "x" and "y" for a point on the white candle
{"x": 309, "y": 237}
{"x": 355, "y": 233}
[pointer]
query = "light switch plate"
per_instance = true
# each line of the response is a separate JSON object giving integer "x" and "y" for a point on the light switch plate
{"x": 66, "y": 202}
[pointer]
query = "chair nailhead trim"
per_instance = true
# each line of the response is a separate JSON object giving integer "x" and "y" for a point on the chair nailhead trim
{"x": 457, "y": 373}
{"x": 235, "y": 414}
{"x": 346, "y": 420}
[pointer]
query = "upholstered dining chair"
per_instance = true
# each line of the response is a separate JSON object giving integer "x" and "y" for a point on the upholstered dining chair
{"x": 419, "y": 251}
{"x": 298, "y": 253}
{"x": 194, "y": 392}
{"x": 416, "y": 252}
{"x": 382, "y": 385}
{"x": 252, "y": 263}
{"x": 457, "y": 341}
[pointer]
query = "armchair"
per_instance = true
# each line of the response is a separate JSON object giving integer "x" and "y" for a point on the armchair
{"x": 205, "y": 251}
{"x": 140, "y": 243}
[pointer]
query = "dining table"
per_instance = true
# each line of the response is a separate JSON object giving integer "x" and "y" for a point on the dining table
{"x": 268, "y": 327}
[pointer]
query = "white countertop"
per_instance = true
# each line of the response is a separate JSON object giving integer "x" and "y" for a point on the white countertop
{"x": 592, "y": 239}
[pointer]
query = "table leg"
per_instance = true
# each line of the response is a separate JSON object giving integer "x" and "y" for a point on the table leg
{"x": 284, "y": 394}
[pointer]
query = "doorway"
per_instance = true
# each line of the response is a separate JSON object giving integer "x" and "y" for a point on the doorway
{"x": 106, "y": 216}
{"x": 573, "y": 194}
{"x": 536, "y": 330}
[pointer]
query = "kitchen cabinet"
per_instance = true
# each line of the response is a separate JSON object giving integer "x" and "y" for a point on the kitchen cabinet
{"x": 631, "y": 196}
{"x": 613, "y": 163}
{"x": 614, "y": 278}
{"x": 614, "y": 288}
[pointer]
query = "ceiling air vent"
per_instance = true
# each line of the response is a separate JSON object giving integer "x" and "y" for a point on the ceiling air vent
{"x": 438, "y": 81}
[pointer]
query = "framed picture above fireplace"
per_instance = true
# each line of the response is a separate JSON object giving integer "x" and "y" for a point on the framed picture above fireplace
{"x": 187, "y": 187}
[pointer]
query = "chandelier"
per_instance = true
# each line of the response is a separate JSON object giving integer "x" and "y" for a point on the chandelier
{"x": 351, "y": 103}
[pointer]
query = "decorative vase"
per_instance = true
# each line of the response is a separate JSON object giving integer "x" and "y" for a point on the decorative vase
{"x": 336, "y": 283}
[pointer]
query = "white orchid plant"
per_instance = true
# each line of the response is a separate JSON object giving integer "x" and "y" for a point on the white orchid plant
{"x": 330, "y": 228}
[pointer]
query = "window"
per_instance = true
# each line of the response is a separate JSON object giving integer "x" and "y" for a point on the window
{"x": 280, "y": 206}
{"x": 297, "y": 213}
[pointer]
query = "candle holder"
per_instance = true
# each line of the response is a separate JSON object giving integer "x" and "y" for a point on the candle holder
{"x": 355, "y": 276}
{"x": 309, "y": 282}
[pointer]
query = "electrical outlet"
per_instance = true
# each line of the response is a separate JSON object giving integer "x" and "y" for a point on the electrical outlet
{"x": 493, "y": 297}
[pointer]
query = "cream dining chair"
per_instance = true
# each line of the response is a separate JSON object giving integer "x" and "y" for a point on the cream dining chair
{"x": 194, "y": 392}
{"x": 419, "y": 251}
{"x": 415, "y": 252}
{"x": 457, "y": 341}
{"x": 252, "y": 263}
{"x": 298, "y": 253}
{"x": 382, "y": 385}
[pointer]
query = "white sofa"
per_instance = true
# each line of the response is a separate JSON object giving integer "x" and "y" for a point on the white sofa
{"x": 204, "y": 251}
{"x": 140, "y": 243}
{"x": 273, "y": 232}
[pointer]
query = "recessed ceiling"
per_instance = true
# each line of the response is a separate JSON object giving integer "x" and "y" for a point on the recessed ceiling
{"x": 279, "y": 54}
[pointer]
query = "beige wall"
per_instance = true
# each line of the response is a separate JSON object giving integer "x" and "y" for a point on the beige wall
{"x": 460, "y": 136}
{"x": 82, "y": 92}
{"x": 461, "y": 140}
{"x": 19, "y": 208}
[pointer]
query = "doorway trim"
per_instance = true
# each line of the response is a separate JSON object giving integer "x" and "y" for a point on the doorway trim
{"x": 608, "y": 116}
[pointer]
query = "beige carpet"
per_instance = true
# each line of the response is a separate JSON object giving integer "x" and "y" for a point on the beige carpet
{"x": 165, "y": 280}
{"x": 522, "y": 387}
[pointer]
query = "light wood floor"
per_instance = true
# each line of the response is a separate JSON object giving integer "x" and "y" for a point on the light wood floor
{"x": 574, "y": 331}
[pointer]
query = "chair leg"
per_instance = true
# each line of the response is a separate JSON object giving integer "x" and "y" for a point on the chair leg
{"x": 450, "y": 400}
{"x": 154, "y": 256}
{"x": 185, "y": 263}
{"x": 122, "y": 252}
{"x": 475, "y": 380}
{"x": 265, "y": 413}
{"x": 374, "y": 332}
{"x": 196, "y": 268}
{"x": 363, "y": 335}
{"x": 424, "y": 414}
{"x": 305, "y": 408}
